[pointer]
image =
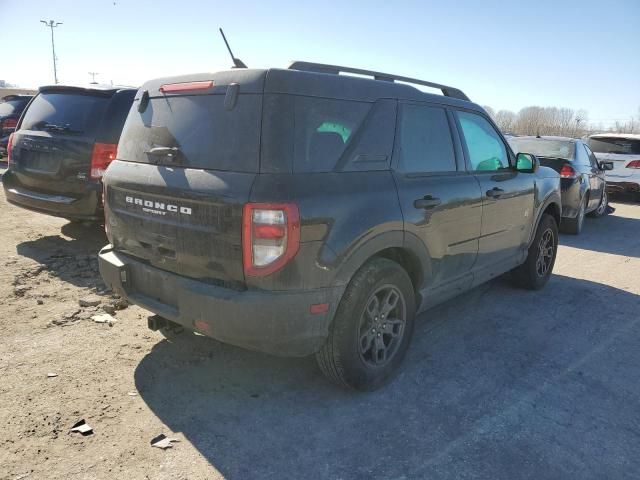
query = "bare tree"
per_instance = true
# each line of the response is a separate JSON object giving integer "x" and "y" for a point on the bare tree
{"x": 490, "y": 111}
{"x": 506, "y": 120}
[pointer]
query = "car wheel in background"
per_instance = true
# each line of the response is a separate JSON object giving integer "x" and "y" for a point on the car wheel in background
{"x": 534, "y": 273}
{"x": 602, "y": 208}
{"x": 372, "y": 328}
{"x": 574, "y": 225}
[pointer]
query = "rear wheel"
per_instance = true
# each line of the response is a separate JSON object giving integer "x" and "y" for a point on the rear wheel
{"x": 602, "y": 208}
{"x": 372, "y": 329}
{"x": 534, "y": 273}
{"x": 574, "y": 225}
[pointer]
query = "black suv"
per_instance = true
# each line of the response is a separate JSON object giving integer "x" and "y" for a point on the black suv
{"x": 11, "y": 107}
{"x": 299, "y": 211}
{"x": 62, "y": 145}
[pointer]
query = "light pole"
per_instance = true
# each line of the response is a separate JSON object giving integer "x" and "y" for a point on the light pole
{"x": 93, "y": 77}
{"x": 53, "y": 24}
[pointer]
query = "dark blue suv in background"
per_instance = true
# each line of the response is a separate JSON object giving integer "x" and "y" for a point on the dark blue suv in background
{"x": 11, "y": 107}
{"x": 62, "y": 146}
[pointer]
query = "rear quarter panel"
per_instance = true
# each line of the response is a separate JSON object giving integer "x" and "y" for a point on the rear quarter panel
{"x": 345, "y": 218}
{"x": 547, "y": 192}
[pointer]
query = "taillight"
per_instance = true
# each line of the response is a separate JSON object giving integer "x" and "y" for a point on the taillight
{"x": 103, "y": 154}
{"x": 9, "y": 123}
{"x": 9, "y": 143}
{"x": 270, "y": 237}
{"x": 634, "y": 164}
{"x": 568, "y": 172}
{"x": 107, "y": 228}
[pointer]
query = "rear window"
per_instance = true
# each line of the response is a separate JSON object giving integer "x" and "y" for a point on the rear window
{"x": 207, "y": 135}
{"x": 624, "y": 146}
{"x": 68, "y": 113}
{"x": 544, "y": 148}
{"x": 12, "y": 106}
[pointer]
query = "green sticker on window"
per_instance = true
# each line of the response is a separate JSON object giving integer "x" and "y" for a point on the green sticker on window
{"x": 341, "y": 130}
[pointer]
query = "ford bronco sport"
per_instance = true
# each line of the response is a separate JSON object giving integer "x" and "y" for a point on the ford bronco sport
{"x": 299, "y": 211}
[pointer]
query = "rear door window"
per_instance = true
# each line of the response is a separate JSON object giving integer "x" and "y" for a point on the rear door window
{"x": 324, "y": 128}
{"x": 207, "y": 135}
{"x": 425, "y": 143}
{"x": 66, "y": 113}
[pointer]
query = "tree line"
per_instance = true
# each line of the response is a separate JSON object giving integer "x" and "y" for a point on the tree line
{"x": 564, "y": 122}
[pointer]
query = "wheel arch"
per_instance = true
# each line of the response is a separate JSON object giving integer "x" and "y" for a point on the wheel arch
{"x": 405, "y": 249}
{"x": 551, "y": 206}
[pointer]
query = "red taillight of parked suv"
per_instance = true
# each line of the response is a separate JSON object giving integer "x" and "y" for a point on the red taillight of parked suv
{"x": 8, "y": 123}
{"x": 270, "y": 237}
{"x": 9, "y": 143}
{"x": 103, "y": 154}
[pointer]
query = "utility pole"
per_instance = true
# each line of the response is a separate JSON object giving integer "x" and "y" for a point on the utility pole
{"x": 53, "y": 24}
{"x": 93, "y": 77}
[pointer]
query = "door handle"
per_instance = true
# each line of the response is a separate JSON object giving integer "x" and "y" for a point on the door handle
{"x": 427, "y": 202}
{"x": 495, "y": 192}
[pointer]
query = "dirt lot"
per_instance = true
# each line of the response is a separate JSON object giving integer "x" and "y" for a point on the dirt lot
{"x": 502, "y": 383}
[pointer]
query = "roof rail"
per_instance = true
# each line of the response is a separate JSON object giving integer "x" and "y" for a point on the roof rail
{"x": 387, "y": 77}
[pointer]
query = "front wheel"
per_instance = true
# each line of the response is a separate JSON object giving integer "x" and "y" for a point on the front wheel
{"x": 372, "y": 328}
{"x": 534, "y": 273}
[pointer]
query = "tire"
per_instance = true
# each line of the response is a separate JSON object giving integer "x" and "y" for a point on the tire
{"x": 602, "y": 208}
{"x": 573, "y": 226}
{"x": 532, "y": 274}
{"x": 356, "y": 354}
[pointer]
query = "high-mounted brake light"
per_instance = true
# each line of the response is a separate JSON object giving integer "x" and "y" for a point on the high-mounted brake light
{"x": 568, "y": 172}
{"x": 9, "y": 143}
{"x": 186, "y": 86}
{"x": 270, "y": 237}
{"x": 103, "y": 154}
{"x": 634, "y": 164}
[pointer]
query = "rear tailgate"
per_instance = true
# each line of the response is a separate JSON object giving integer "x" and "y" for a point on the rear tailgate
{"x": 618, "y": 150}
{"x": 181, "y": 209}
{"x": 53, "y": 145}
{"x": 620, "y": 163}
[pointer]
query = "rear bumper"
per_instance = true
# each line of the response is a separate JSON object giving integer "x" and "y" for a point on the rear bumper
{"x": 275, "y": 322}
{"x": 86, "y": 207}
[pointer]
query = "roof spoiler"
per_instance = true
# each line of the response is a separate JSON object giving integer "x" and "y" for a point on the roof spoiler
{"x": 386, "y": 77}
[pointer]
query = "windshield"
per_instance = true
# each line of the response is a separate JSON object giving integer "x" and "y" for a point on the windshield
{"x": 540, "y": 147}
{"x": 12, "y": 106}
{"x": 624, "y": 146}
{"x": 65, "y": 113}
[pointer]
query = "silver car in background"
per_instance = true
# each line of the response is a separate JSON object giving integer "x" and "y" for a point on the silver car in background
{"x": 623, "y": 150}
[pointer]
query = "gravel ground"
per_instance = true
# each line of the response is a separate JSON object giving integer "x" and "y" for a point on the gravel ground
{"x": 500, "y": 383}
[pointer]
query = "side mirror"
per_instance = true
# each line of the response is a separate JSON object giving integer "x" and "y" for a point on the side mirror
{"x": 606, "y": 165}
{"x": 526, "y": 163}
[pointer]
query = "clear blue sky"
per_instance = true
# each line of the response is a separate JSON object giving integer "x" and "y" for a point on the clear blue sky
{"x": 577, "y": 54}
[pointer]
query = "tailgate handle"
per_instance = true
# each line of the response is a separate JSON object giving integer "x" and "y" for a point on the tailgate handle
{"x": 169, "y": 152}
